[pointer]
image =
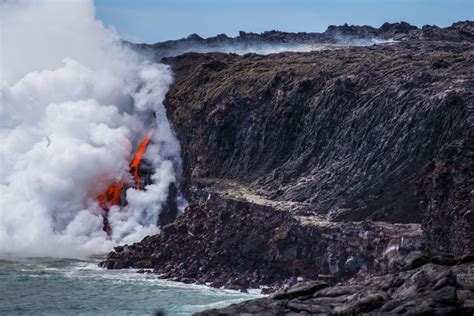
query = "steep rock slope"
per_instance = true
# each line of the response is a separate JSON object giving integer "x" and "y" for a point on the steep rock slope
{"x": 347, "y": 131}
{"x": 443, "y": 287}
{"x": 283, "y": 153}
{"x": 446, "y": 193}
{"x": 275, "y": 148}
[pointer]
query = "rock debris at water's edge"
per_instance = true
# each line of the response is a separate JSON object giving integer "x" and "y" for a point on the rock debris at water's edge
{"x": 239, "y": 245}
{"x": 431, "y": 289}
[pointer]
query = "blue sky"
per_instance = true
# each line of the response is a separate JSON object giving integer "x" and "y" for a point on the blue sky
{"x": 157, "y": 20}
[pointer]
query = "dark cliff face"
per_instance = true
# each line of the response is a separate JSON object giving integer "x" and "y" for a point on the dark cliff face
{"x": 346, "y": 131}
{"x": 447, "y": 199}
{"x": 282, "y": 154}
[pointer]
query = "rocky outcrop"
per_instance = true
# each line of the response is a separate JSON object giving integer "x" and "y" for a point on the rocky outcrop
{"x": 342, "y": 35}
{"x": 346, "y": 131}
{"x": 446, "y": 195}
{"x": 428, "y": 290}
{"x": 334, "y": 36}
{"x": 318, "y": 167}
{"x": 239, "y": 244}
{"x": 458, "y": 32}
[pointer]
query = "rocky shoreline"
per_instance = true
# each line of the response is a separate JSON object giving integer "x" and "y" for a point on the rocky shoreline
{"x": 348, "y": 169}
{"x": 431, "y": 289}
{"x": 239, "y": 245}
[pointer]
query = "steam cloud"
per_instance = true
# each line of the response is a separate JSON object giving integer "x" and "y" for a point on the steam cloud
{"x": 74, "y": 105}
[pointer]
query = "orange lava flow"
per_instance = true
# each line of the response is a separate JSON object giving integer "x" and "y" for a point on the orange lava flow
{"x": 135, "y": 163}
{"x": 112, "y": 195}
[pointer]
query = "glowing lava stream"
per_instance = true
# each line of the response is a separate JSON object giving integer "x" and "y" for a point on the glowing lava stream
{"x": 112, "y": 195}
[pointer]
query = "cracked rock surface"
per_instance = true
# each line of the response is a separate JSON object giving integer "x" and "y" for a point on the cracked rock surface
{"x": 347, "y": 132}
{"x": 342, "y": 179}
{"x": 428, "y": 290}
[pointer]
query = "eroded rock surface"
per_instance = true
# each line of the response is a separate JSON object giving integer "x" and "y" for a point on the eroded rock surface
{"x": 428, "y": 290}
{"x": 334, "y": 36}
{"x": 347, "y": 131}
{"x": 446, "y": 193}
{"x": 318, "y": 167}
{"x": 239, "y": 244}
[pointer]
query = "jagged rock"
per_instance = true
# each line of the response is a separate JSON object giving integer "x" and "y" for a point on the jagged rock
{"x": 301, "y": 289}
{"x": 341, "y": 35}
{"x": 294, "y": 159}
{"x": 458, "y": 32}
{"x": 447, "y": 198}
{"x": 348, "y": 132}
{"x": 239, "y": 245}
{"x": 429, "y": 289}
{"x": 170, "y": 209}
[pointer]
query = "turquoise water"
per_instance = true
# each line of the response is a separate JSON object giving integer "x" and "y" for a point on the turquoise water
{"x": 72, "y": 287}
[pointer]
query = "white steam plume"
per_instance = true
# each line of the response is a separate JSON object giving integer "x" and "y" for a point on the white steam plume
{"x": 74, "y": 105}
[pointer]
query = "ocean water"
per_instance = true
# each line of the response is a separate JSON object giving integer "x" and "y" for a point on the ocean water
{"x": 49, "y": 286}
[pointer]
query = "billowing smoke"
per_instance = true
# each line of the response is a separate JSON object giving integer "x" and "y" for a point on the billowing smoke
{"x": 74, "y": 105}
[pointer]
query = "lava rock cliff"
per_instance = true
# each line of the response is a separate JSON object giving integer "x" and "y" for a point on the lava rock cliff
{"x": 348, "y": 168}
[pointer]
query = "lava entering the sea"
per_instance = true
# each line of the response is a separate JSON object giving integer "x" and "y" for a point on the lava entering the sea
{"x": 114, "y": 193}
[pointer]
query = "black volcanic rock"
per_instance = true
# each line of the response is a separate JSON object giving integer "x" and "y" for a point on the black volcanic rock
{"x": 194, "y": 38}
{"x": 248, "y": 41}
{"x": 334, "y": 36}
{"x": 239, "y": 244}
{"x": 347, "y": 131}
{"x": 459, "y": 32}
{"x": 300, "y": 167}
{"x": 428, "y": 290}
{"x": 447, "y": 199}
{"x": 401, "y": 27}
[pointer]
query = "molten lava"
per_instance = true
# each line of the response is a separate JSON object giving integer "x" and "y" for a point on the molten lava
{"x": 135, "y": 163}
{"x": 108, "y": 199}
{"x": 113, "y": 194}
